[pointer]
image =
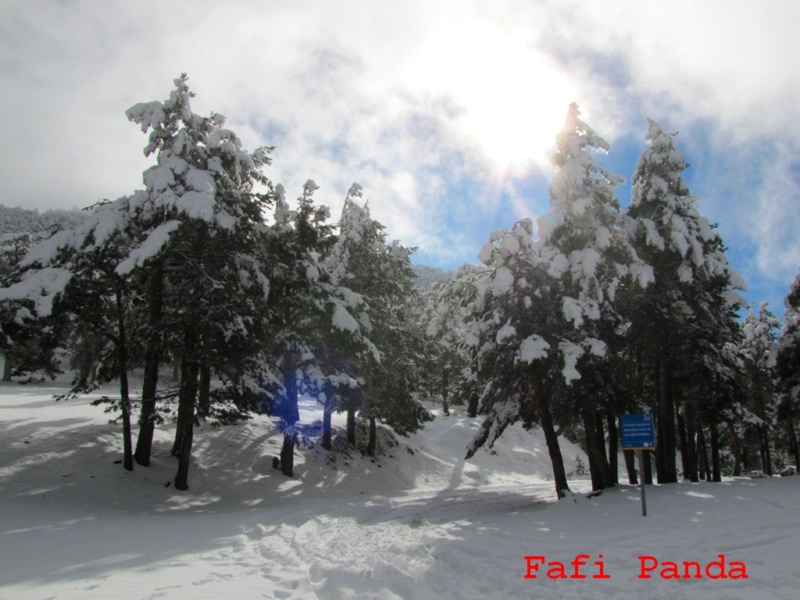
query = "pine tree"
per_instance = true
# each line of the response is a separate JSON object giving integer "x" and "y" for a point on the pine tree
{"x": 445, "y": 316}
{"x": 193, "y": 236}
{"x": 547, "y": 313}
{"x": 22, "y": 229}
{"x": 301, "y": 296}
{"x": 787, "y": 369}
{"x": 591, "y": 260}
{"x": 71, "y": 278}
{"x": 392, "y": 381}
{"x": 13, "y": 247}
{"x": 202, "y": 226}
{"x": 757, "y": 348}
{"x": 692, "y": 299}
{"x": 514, "y": 314}
{"x": 375, "y": 278}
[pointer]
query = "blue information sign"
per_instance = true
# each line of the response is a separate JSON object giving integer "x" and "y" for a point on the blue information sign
{"x": 637, "y": 431}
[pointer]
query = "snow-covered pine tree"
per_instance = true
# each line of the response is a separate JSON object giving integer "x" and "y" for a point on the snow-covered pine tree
{"x": 787, "y": 368}
{"x": 20, "y": 230}
{"x": 391, "y": 383}
{"x": 367, "y": 268}
{"x": 514, "y": 313}
{"x": 445, "y": 316}
{"x": 321, "y": 326}
{"x": 195, "y": 231}
{"x": 692, "y": 301}
{"x": 548, "y": 314}
{"x": 300, "y": 296}
{"x": 13, "y": 247}
{"x": 71, "y": 278}
{"x": 202, "y": 229}
{"x": 716, "y": 379}
{"x": 590, "y": 260}
{"x": 758, "y": 348}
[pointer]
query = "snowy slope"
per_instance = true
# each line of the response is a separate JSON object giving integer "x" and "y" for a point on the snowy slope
{"x": 418, "y": 523}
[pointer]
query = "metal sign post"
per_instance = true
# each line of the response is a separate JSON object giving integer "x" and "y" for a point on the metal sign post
{"x": 641, "y": 483}
{"x": 638, "y": 433}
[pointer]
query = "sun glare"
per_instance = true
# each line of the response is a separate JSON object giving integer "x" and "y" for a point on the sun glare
{"x": 514, "y": 98}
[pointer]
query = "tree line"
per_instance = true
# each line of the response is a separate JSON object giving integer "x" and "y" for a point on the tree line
{"x": 209, "y": 269}
{"x": 566, "y": 323}
{"x": 599, "y": 312}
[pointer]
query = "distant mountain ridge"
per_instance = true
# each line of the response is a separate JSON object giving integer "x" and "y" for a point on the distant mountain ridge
{"x": 14, "y": 219}
{"x": 427, "y": 276}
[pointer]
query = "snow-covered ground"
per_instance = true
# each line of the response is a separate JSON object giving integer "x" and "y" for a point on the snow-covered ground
{"x": 419, "y": 523}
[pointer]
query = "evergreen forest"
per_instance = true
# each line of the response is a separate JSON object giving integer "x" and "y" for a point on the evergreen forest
{"x": 234, "y": 297}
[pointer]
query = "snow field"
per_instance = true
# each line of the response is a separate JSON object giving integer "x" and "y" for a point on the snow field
{"x": 418, "y": 523}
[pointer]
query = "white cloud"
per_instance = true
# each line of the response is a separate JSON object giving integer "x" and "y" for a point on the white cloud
{"x": 776, "y": 222}
{"x": 409, "y": 99}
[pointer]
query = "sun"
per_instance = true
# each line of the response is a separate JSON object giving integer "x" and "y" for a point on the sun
{"x": 513, "y": 97}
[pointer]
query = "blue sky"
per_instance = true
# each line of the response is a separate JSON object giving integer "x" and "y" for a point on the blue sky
{"x": 444, "y": 111}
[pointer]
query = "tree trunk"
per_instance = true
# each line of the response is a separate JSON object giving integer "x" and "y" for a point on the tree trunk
{"x": 185, "y": 457}
{"x": 770, "y": 471}
{"x": 794, "y": 447}
{"x": 127, "y": 442}
{"x": 745, "y": 449}
{"x": 613, "y": 447}
{"x": 125, "y": 403}
{"x": 716, "y": 470}
{"x": 287, "y": 454}
{"x": 7, "y": 367}
{"x": 691, "y": 441}
{"x": 766, "y": 456}
{"x": 372, "y": 441}
{"x": 186, "y": 404}
{"x": 630, "y": 466}
{"x": 351, "y": 425}
{"x": 551, "y": 437}
{"x": 445, "y": 385}
{"x": 600, "y": 436}
{"x": 204, "y": 392}
{"x": 684, "y": 445}
{"x": 187, "y": 398}
{"x": 595, "y": 448}
{"x": 762, "y": 448}
{"x": 665, "y": 445}
{"x": 588, "y": 436}
{"x": 472, "y": 407}
{"x": 291, "y": 415}
{"x": 326, "y": 424}
{"x": 736, "y": 450}
{"x": 702, "y": 454}
{"x": 144, "y": 443}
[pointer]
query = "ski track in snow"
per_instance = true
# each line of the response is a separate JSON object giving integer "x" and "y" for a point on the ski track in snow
{"x": 419, "y": 523}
